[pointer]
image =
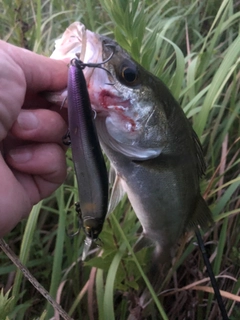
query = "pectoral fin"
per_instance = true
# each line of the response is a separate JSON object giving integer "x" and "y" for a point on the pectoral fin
{"x": 116, "y": 194}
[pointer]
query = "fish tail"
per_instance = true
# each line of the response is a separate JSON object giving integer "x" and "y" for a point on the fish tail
{"x": 202, "y": 215}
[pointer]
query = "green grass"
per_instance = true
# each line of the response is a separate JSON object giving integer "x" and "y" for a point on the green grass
{"x": 194, "y": 47}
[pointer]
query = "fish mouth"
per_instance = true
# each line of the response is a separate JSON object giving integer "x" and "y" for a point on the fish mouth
{"x": 79, "y": 43}
{"x": 76, "y": 43}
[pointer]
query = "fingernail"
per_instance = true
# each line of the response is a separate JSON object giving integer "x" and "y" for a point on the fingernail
{"x": 27, "y": 120}
{"x": 20, "y": 155}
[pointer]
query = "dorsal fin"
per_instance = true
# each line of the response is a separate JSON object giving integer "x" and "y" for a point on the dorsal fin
{"x": 201, "y": 165}
{"x": 202, "y": 215}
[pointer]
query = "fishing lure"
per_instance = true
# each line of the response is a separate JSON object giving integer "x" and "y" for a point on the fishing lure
{"x": 89, "y": 164}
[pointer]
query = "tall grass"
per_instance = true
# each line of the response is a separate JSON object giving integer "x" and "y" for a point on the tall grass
{"x": 194, "y": 47}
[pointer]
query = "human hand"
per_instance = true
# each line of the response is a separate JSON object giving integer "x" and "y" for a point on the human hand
{"x": 32, "y": 158}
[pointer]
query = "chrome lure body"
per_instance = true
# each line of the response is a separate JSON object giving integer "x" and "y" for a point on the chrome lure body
{"x": 89, "y": 164}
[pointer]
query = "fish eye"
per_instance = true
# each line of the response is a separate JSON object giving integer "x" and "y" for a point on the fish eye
{"x": 129, "y": 75}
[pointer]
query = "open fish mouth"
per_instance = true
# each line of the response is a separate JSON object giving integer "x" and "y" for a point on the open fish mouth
{"x": 76, "y": 42}
{"x": 79, "y": 43}
{"x": 71, "y": 44}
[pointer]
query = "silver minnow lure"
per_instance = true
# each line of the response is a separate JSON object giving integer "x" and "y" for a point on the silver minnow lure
{"x": 89, "y": 164}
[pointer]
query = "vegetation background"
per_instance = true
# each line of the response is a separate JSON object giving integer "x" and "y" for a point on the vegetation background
{"x": 194, "y": 47}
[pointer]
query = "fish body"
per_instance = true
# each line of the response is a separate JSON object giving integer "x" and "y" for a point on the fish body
{"x": 89, "y": 164}
{"x": 153, "y": 150}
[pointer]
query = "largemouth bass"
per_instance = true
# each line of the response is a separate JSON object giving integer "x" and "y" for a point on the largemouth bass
{"x": 154, "y": 152}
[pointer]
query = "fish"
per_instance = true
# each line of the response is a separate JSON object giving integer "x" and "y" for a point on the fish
{"x": 156, "y": 157}
{"x": 89, "y": 164}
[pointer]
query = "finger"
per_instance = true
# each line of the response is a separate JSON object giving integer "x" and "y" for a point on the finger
{"x": 38, "y": 172}
{"x": 46, "y": 159}
{"x": 13, "y": 88}
{"x": 15, "y": 203}
{"x": 41, "y": 73}
{"x": 35, "y": 100}
{"x": 39, "y": 125}
{"x": 45, "y": 162}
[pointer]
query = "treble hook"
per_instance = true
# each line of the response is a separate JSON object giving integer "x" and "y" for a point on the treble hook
{"x": 80, "y": 64}
{"x": 99, "y": 64}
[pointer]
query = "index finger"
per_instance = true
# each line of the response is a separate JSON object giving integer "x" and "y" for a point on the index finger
{"x": 41, "y": 73}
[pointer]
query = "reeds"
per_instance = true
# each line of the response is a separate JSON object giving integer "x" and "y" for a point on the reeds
{"x": 194, "y": 47}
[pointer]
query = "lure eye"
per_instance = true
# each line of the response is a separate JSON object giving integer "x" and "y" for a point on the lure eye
{"x": 129, "y": 75}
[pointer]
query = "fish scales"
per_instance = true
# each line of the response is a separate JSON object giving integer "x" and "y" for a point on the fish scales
{"x": 164, "y": 189}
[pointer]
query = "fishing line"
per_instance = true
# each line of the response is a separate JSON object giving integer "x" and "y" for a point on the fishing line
{"x": 27, "y": 274}
{"x": 211, "y": 276}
